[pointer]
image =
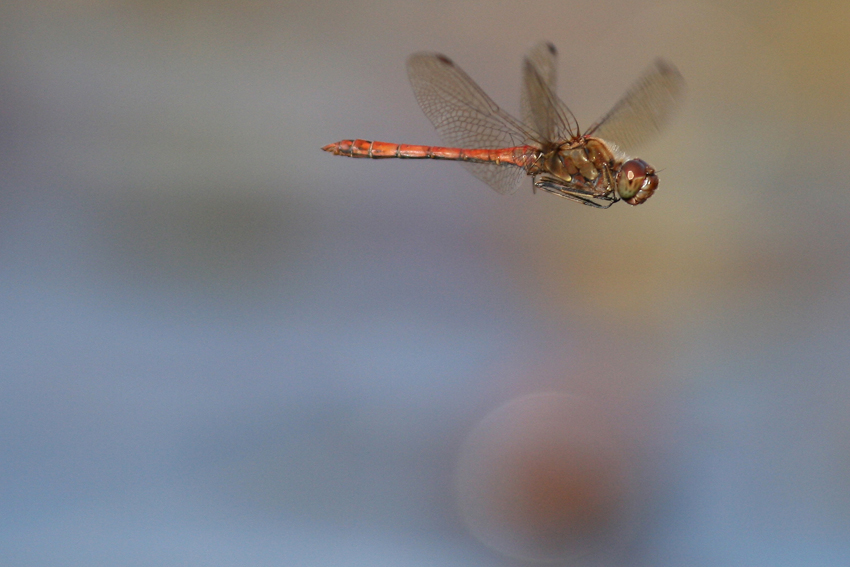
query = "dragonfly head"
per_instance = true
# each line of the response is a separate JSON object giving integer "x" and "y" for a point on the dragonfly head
{"x": 636, "y": 181}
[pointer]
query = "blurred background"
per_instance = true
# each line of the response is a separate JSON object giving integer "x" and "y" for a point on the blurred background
{"x": 222, "y": 346}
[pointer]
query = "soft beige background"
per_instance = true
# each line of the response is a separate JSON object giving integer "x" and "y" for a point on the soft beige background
{"x": 222, "y": 346}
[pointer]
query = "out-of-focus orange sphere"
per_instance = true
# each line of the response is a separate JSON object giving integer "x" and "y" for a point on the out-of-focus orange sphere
{"x": 544, "y": 478}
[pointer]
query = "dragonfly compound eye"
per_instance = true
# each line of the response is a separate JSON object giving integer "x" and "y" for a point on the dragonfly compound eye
{"x": 636, "y": 181}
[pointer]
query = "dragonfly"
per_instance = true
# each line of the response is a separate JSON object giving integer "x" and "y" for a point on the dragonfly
{"x": 590, "y": 168}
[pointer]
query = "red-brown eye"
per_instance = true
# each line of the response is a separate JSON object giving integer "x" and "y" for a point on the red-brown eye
{"x": 631, "y": 177}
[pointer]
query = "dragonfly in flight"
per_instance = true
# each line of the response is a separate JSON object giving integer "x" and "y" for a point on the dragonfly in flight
{"x": 590, "y": 168}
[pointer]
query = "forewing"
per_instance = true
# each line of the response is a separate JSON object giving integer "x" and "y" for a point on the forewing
{"x": 466, "y": 117}
{"x": 541, "y": 107}
{"x": 644, "y": 110}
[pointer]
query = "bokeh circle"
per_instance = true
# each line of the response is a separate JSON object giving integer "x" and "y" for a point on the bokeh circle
{"x": 545, "y": 478}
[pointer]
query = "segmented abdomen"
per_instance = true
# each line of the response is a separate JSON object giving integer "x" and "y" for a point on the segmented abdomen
{"x": 520, "y": 156}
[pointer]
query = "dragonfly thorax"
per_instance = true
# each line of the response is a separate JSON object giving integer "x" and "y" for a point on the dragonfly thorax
{"x": 582, "y": 162}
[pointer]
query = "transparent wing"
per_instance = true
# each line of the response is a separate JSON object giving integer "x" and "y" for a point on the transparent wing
{"x": 503, "y": 179}
{"x": 466, "y": 117}
{"x": 541, "y": 107}
{"x": 644, "y": 110}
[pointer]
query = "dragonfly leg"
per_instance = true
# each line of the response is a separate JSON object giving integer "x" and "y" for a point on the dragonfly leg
{"x": 609, "y": 181}
{"x": 552, "y": 186}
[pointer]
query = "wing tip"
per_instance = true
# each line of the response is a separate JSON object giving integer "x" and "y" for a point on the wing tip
{"x": 665, "y": 67}
{"x": 425, "y": 56}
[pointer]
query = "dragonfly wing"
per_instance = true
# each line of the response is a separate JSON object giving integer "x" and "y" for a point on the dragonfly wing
{"x": 503, "y": 179}
{"x": 644, "y": 110}
{"x": 541, "y": 107}
{"x": 466, "y": 117}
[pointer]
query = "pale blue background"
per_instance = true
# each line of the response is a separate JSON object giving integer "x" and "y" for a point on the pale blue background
{"x": 222, "y": 346}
